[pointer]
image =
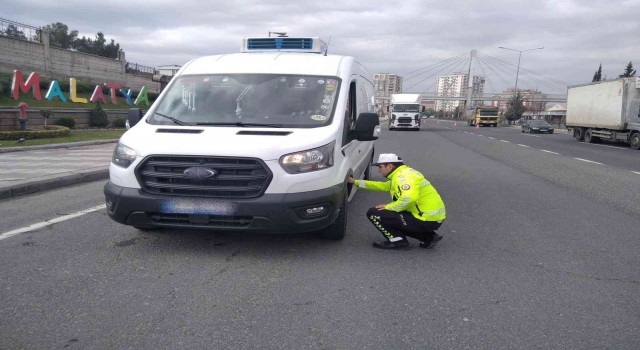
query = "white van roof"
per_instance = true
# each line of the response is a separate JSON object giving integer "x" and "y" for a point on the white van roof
{"x": 269, "y": 63}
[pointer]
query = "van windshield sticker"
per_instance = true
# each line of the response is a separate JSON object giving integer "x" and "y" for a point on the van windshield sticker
{"x": 318, "y": 117}
{"x": 331, "y": 85}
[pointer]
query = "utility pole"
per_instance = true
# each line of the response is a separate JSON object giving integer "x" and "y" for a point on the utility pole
{"x": 515, "y": 89}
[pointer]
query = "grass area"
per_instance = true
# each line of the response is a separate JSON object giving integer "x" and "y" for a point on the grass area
{"x": 75, "y": 136}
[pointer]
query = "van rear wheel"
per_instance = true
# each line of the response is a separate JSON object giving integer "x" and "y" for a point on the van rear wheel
{"x": 337, "y": 230}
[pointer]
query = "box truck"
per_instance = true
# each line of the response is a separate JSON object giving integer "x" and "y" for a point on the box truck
{"x": 405, "y": 112}
{"x": 262, "y": 140}
{"x": 605, "y": 110}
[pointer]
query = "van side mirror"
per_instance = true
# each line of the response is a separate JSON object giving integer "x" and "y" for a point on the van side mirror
{"x": 133, "y": 116}
{"x": 367, "y": 127}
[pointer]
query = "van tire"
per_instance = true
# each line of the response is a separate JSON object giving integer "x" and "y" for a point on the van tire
{"x": 337, "y": 230}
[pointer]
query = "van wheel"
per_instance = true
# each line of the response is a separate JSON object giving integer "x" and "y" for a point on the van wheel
{"x": 337, "y": 230}
{"x": 634, "y": 141}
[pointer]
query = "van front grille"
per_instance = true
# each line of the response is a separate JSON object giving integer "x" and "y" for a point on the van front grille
{"x": 224, "y": 177}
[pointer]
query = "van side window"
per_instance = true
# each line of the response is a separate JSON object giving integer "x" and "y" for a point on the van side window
{"x": 350, "y": 114}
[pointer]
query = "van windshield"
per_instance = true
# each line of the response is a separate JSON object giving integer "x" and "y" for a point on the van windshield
{"x": 250, "y": 100}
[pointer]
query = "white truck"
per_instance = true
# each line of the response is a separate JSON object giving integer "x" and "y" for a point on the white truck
{"x": 405, "y": 111}
{"x": 605, "y": 110}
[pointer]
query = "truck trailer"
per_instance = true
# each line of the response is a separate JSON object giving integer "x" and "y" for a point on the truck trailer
{"x": 605, "y": 110}
{"x": 405, "y": 112}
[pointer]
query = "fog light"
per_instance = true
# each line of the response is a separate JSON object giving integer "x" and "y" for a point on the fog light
{"x": 314, "y": 211}
{"x": 110, "y": 205}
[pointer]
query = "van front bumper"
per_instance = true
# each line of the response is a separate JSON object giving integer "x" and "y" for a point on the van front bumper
{"x": 273, "y": 213}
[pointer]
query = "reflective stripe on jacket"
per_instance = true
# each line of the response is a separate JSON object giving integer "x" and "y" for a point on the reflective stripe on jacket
{"x": 411, "y": 192}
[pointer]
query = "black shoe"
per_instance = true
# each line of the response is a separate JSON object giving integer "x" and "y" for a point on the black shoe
{"x": 434, "y": 241}
{"x": 391, "y": 245}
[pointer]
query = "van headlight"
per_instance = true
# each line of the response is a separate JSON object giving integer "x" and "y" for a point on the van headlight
{"x": 309, "y": 160}
{"x": 123, "y": 156}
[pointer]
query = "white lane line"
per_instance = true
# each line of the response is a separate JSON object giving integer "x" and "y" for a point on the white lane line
{"x": 489, "y": 137}
{"x": 42, "y": 224}
{"x": 544, "y": 150}
{"x": 586, "y": 160}
{"x": 521, "y": 145}
{"x": 480, "y": 135}
{"x": 636, "y": 172}
{"x": 504, "y": 141}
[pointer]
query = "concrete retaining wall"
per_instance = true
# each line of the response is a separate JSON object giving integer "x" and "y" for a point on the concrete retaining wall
{"x": 55, "y": 63}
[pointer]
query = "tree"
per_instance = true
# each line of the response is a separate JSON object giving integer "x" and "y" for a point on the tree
{"x": 515, "y": 108}
{"x": 598, "y": 75}
{"x": 628, "y": 72}
{"x": 13, "y": 32}
{"x": 60, "y": 36}
{"x": 97, "y": 46}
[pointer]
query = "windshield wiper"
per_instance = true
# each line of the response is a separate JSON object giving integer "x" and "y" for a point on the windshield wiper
{"x": 177, "y": 121}
{"x": 242, "y": 124}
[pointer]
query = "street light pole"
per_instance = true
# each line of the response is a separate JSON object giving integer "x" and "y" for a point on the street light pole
{"x": 515, "y": 90}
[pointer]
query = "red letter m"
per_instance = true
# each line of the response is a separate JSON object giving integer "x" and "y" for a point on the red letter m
{"x": 18, "y": 84}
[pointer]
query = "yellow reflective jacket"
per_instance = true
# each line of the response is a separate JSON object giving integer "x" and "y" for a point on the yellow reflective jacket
{"x": 411, "y": 192}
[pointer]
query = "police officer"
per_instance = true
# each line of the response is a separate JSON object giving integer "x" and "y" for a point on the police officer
{"x": 416, "y": 209}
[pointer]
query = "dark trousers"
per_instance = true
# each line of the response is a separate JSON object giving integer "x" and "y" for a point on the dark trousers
{"x": 396, "y": 226}
{"x": 23, "y": 124}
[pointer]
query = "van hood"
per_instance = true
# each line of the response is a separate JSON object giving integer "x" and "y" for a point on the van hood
{"x": 263, "y": 143}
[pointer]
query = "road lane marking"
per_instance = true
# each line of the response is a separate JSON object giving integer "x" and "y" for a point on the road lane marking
{"x": 588, "y": 161}
{"x": 544, "y": 150}
{"x": 42, "y": 224}
{"x": 504, "y": 141}
{"x": 636, "y": 172}
{"x": 493, "y": 138}
{"x": 521, "y": 145}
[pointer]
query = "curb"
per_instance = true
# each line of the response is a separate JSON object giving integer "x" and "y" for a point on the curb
{"x": 53, "y": 183}
{"x": 56, "y": 145}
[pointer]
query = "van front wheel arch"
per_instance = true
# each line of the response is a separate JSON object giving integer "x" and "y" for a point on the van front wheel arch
{"x": 337, "y": 230}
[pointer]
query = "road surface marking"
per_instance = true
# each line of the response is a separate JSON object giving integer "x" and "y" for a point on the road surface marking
{"x": 42, "y": 224}
{"x": 588, "y": 161}
{"x": 521, "y": 145}
{"x": 493, "y": 138}
{"x": 504, "y": 141}
{"x": 544, "y": 150}
{"x": 636, "y": 172}
{"x": 480, "y": 135}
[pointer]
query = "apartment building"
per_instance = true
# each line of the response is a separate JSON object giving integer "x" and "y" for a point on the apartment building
{"x": 385, "y": 84}
{"x": 455, "y": 85}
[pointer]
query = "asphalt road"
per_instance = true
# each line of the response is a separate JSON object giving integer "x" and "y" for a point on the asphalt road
{"x": 540, "y": 251}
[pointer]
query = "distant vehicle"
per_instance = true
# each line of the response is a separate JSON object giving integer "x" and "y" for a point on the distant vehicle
{"x": 432, "y": 117}
{"x": 483, "y": 116}
{"x": 405, "y": 111}
{"x": 537, "y": 126}
{"x": 605, "y": 110}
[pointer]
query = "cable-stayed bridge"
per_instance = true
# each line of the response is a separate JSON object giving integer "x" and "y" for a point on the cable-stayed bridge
{"x": 559, "y": 98}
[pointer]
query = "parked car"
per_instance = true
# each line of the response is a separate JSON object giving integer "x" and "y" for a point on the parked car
{"x": 537, "y": 126}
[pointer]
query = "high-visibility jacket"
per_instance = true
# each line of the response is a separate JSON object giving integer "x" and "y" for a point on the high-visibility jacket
{"x": 411, "y": 192}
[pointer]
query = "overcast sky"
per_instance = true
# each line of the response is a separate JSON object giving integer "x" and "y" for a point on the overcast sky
{"x": 399, "y": 37}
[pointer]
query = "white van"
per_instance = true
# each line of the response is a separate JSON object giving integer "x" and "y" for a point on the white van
{"x": 262, "y": 140}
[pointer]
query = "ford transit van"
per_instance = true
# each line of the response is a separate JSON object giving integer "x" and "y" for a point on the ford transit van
{"x": 262, "y": 140}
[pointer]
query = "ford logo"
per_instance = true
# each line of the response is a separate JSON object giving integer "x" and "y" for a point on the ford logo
{"x": 199, "y": 173}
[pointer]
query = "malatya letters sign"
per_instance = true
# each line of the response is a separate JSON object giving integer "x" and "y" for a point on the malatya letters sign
{"x": 33, "y": 83}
